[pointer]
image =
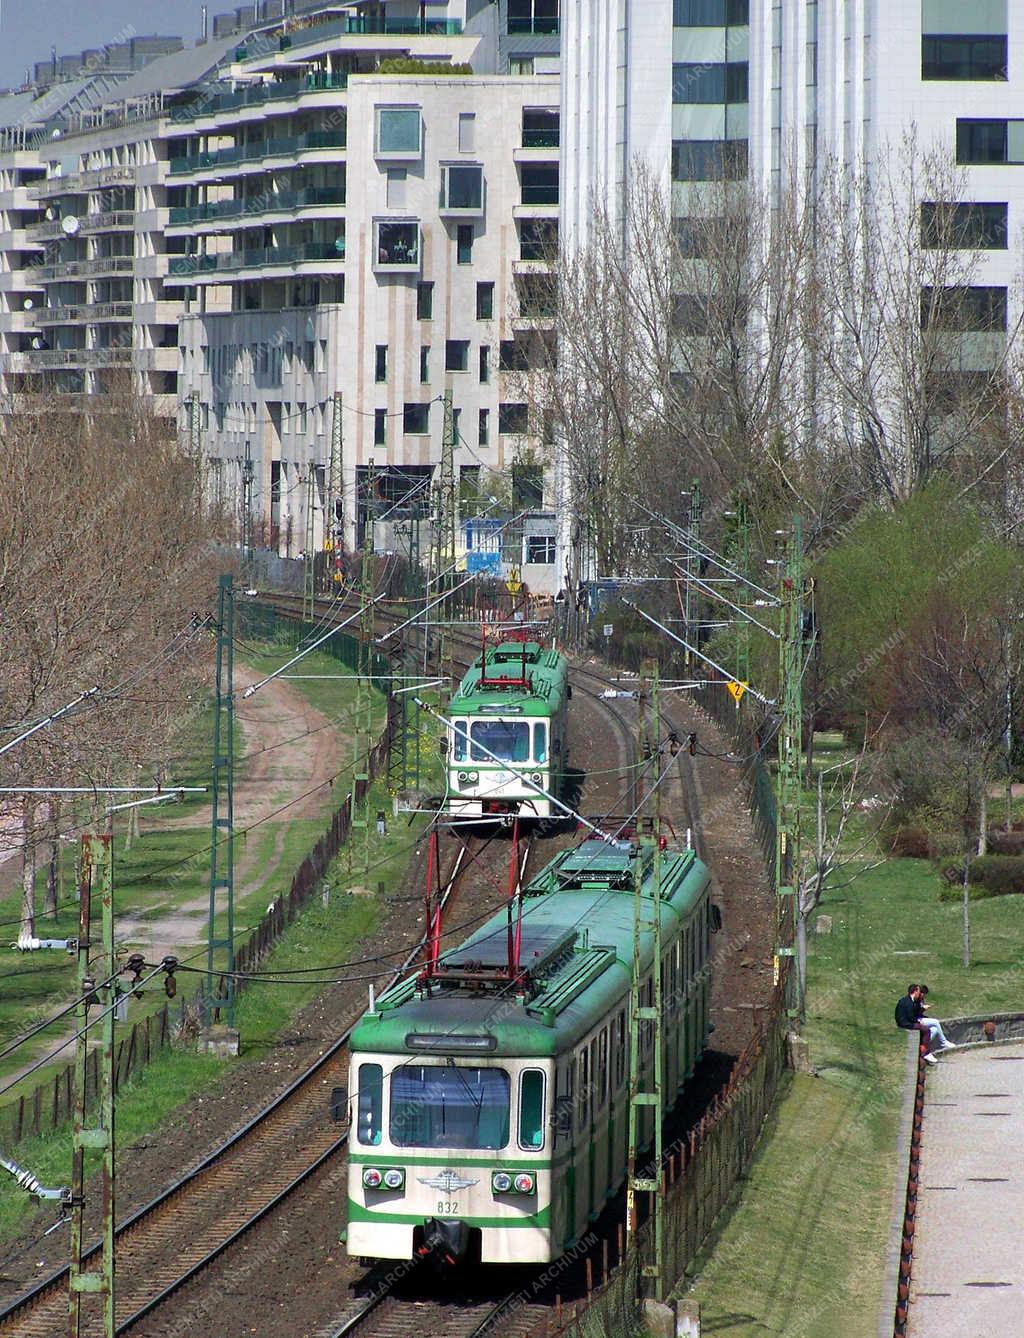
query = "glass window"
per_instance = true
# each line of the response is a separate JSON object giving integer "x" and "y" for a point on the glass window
{"x": 467, "y": 132}
{"x": 540, "y": 128}
{"x": 527, "y": 480}
{"x": 540, "y": 549}
{"x": 982, "y": 141}
{"x": 583, "y": 1110}
{"x": 483, "y": 431}
{"x": 464, "y": 244}
{"x": 709, "y": 13}
{"x": 459, "y": 740}
{"x": 538, "y": 238}
{"x": 380, "y": 426}
{"x": 380, "y": 366}
{"x": 398, "y": 244}
{"x": 398, "y": 131}
{"x": 370, "y": 1103}
{"x": 709, "y": 159}
{"x": 963, "y": 309}
{"x": 710, "y": 82}
{"x": 449, "y": 1106}
{"x": 424, "y": 301}
{"x": 964, "y": 227}
{"x": 531, "y": 1109}
{"x": 424, "y": 362}
{"x": 485, "y": 370}
{"x": 415, "y": 418}
{"x": 508, "y": 740}
{"x": 539, "y": 183}
{"x": 602, "y": 1067}
{"x": 619, "y": 1041}
{"x": 484, "y": 301}
{"x": 540, "y": 741}
{"x": 456, "y": 355}
{"x": 963, "y": 57}
{"x": 512, "y": 418}
{"x": 462, "y": 187}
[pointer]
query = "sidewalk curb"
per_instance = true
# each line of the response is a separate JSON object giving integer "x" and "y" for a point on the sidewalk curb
{"x": 899, "y": 1189}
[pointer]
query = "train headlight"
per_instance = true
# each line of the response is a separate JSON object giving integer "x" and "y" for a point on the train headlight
{"x": 524, "y": 1183}
{"x": 473, "y": 777}
{"x": 501, "y": 1182}
{"x": 394, "y": 1178}
{"x": 537, "y": 777}
{"x": 372, "y": 1178}
{"x": 463, "y": 777}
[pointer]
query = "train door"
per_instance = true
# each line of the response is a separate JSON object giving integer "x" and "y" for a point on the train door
{"x": 563, "y": 1189}
{"x": 584, "y": 1136}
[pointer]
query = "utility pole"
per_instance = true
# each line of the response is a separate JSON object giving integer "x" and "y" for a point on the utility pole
{"x": 692, "y": 568}
{"x": 195, "y": 425}
{"x": 246, "y": 527}
{"x": 645, "y": 1060}
{"x": 790, "y": 706}
{"x": 96, "y": 868}
{"x": 363, "y": 731}
{"x": 222, "y": 815}
{"x": 446, "y": 512}
{"x": 649, "y": 729}
{"x": 741, "y": 559}
{"x": 334, "y": 515}
{"x": 404, "y": 756}
{"x": 308, "y": 554}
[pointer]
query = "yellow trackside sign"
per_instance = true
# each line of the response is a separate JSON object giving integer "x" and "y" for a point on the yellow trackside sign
{"x": 736, "y": 689}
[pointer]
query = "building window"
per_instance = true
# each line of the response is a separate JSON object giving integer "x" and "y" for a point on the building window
{"x": 513, "y": 356}
{"x": 485, "y": 364}
{"x": 964, "y": 227}
{"x": 964, "y": 310}
{"x": 539, "y": 183}
{"x": 467, "y": 132}
{"x": 533, "y": 16}
{"x": 709, "y": 159}
{"x": 710, "y": 82}
{"x": 464, "y": 244}
{"x": 397, "y": 245}
{"x": 482, "y": 433}
{"x": 963, "y": 57}
{"x": 540, "y": 128}
{"x": 456, "y": 355}
{"x": 380, "y": 420}
{"x": 424, "y": 362}
{"x": 690, "y": 314}
{"x": 416, "y": 419}
{"x": 527, "y": 480}
{"x": 710, "y": 13}
{"x": 512, "y": 418}
{"x": 520, "y": 66}
{"x": 540, "y": 549}
{"x": 399, "y": 132}
{"x": 538, "y": 296}
{"x": 484, "y": 301}
{"x": 380, "y": 366}
{"x": 462, "y": 189}
{"x": 424, "y": 301}
{"x": 979, "y": 142}
{"x": 538, "y": 239}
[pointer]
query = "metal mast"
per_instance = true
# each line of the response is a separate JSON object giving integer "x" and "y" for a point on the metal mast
{"x": 787, "y": 826}
{"x": 334, "y": 519}
{"x": 246, "y": 527}
{"x": 404, "y": 756}
{"x": 222, "y": 812}
{"x": 363, "y": 731}
{"x": 445, "y": 527}
{"x": 692, "y": 568}
{"x": 309, "y": 564}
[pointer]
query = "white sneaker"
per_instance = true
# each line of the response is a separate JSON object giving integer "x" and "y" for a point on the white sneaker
{"x": 930, "y": 1059}
{"x": 949, "y": 1045}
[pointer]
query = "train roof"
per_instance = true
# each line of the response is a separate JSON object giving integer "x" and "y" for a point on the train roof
{"x": 518, "y": 674}
{"x": 577, "y": 950}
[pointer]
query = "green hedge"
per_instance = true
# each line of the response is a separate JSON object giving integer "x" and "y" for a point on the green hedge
{"x": 990, "y": 876}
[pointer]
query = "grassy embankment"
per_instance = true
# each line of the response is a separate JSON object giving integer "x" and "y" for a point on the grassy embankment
{"x": 802, "y": 1254}
{"x": 146, "y": 885}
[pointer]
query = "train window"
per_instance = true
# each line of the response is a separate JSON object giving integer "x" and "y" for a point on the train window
{"x": 673, "y": 976}
{"x": 449, "y": 1106}
{"x": 508, "y": 740}
{"x": 602, "y": 1067}
{"x": 620, "y": 1048}
{"x": 371, "y": 1103}
{"x": 459, "y": 750}
{"x": 540, "y": 741}
{"x": 584, "y": 1103}
{"x": 531, "y": 1109}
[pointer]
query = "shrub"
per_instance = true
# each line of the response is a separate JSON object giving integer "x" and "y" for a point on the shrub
{"x": 990, "y": 876}
{"x": 911, "y": 842}
{"x": 1006, "y": 843}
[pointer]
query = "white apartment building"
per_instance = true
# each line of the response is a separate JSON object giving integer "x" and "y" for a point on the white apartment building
{"x": 286, "y": 247}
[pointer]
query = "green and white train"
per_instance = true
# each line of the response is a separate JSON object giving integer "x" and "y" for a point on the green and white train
{"x": 508, "y": 728}
{"x": 489, "y": 1104}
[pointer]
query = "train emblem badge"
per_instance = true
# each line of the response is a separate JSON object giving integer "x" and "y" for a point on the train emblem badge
{"x": 447, "y": 1182}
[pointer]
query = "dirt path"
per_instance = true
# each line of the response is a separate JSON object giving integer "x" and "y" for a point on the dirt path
{"x": 290, "y": 751}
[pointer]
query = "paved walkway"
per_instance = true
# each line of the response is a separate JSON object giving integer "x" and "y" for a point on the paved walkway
{"x": 968, "y": 1276}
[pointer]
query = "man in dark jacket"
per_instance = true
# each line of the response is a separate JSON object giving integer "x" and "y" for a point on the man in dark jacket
{"x": 910, "y": 1017}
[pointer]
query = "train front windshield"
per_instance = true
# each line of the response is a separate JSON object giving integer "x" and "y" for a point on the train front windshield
{"x": 508, "y": 740}
{"x": 435, "y": 1106}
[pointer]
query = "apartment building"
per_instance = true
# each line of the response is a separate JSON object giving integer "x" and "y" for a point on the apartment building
{"x": 290, "y": 248}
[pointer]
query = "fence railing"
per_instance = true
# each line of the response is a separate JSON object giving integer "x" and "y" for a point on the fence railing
{"x": 49, "y": 1105}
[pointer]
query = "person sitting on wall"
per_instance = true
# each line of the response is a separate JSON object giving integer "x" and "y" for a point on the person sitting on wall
{"x": 910, "y": 1017}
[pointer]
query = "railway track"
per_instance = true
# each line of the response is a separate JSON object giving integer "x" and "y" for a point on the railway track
{"x": 172, "y": 1239}
{"x": 388, "y": 1316}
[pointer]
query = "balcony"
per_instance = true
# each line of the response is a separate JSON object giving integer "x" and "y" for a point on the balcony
{"x": 255, "y": 95}
{"x": 287, "y": 146}
{"x": 115, "y": 219}
{"x": 83, "y": 181}
{"x": 541, "y": 139}
{"x": 194, "y": 266}
{"x": 84, "y": 311}
{"x": 282, "y": 201}
{"x": 71, "y": 269}
{"x": 362, "y": 25}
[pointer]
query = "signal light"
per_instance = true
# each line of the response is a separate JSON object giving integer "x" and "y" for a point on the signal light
{"x": 372, "y": 1178}
{"x": 501, "y": 1182}
{"x": 394, "y": 1178}
{"x": 524, "y": 1183}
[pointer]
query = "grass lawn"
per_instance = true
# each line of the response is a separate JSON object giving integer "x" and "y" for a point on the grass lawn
{"x": 803, "y": 1252}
